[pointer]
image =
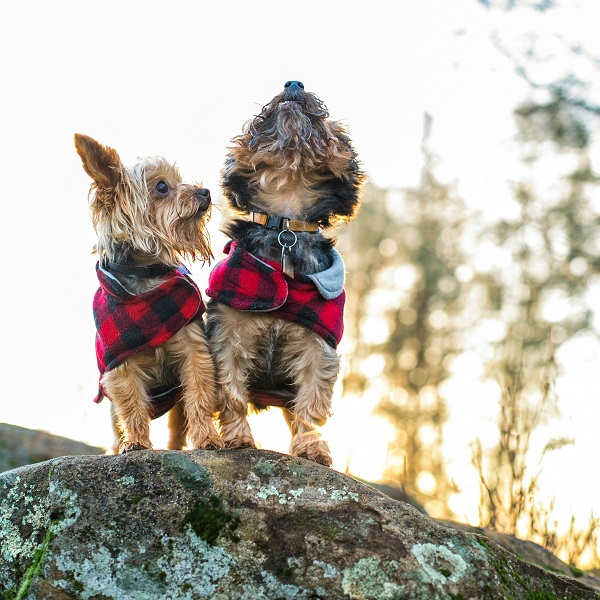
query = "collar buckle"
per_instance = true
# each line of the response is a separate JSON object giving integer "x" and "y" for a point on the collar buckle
{"x": 276, "y": 222}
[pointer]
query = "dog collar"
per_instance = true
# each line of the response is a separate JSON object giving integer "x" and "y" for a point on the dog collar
{"x": 283, "y": 223}
{"x": 157, "y": 270}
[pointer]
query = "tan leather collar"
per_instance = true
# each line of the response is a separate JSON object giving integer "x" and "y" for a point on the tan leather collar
{"x": 283, "y": 223}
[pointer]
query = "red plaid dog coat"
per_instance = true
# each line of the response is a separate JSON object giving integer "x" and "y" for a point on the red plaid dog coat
{"x": 127, "y": 324}
{"x": 245, "y": 282}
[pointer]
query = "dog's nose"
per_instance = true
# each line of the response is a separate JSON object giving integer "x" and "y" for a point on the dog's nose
{"x": 203, "y": 197}
{"x": 293, "y": 90}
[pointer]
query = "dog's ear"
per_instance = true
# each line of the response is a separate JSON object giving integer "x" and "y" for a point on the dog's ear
{"x": 235, "y": 188}
{"x": 101, "y": 163}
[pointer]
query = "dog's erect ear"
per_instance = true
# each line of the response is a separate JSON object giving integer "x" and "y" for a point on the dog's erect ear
{"x": 101, "y": 163}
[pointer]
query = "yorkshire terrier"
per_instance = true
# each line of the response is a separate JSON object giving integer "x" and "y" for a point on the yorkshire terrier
{"x": 150, "y": 343}
{"x": 275, "y": 314}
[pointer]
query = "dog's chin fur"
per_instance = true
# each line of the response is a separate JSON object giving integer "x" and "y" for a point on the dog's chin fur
{"x": 288, "y": 132}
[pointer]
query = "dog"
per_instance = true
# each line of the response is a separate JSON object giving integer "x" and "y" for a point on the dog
{"x": 275, "y": 308}
{"x": 150, "y": 343}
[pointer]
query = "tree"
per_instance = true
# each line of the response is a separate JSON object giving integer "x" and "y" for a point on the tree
{"x": 403, "y": 258}
{"x": 540, "y": 295}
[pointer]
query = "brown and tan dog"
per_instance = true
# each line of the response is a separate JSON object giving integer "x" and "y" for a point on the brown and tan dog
{"x": 151, "y": 347}
{"x": 275, "y": 314}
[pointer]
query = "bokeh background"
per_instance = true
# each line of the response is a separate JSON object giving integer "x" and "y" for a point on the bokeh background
{"x": 473, "y": 269}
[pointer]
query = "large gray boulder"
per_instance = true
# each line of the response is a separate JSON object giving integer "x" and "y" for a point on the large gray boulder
{"x": 238, "y": 525}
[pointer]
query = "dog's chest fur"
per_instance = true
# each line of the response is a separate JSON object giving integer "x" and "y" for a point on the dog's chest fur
{"x": 266, "y": 342}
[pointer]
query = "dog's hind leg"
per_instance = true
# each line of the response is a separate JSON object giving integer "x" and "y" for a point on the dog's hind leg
{"x": 314, "y": 367}
{"x": 177, "y": 428}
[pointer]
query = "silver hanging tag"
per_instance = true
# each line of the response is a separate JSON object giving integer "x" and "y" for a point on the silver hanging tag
{"x": 287, "y": 265}
{"x": 286, "y": 262}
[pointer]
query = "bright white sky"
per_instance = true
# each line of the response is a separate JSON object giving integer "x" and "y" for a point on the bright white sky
{"x": 179, "y": 78}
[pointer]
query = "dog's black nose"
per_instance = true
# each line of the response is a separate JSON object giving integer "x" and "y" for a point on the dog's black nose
{"x": 203, "y": 197}
{"x": 293, "y": 90}
{"x": 294, "y": 86}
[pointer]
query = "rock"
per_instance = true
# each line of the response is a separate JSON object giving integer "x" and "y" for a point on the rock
{"x": 395, "y": 492}
{"x": 531, "y": 552}
{"x": 19, "y": 446}
{"x": 245, "y": 524}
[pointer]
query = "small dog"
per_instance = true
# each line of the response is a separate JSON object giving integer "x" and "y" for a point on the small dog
{"x": 150, "y": 343}
{"x": 275, "y": 314}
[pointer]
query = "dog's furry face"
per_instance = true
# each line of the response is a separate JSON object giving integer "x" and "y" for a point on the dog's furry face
{"x": 292, "y": 160}
{"x": 144, "y": 212}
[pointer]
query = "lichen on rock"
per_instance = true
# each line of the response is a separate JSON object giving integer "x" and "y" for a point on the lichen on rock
{"x": 236, "y": 524}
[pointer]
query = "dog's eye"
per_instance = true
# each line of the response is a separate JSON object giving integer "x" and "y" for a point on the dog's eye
{"x": 162, "y": 188}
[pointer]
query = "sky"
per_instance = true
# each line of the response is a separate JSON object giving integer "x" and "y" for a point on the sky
{"x": 179, "y": 79}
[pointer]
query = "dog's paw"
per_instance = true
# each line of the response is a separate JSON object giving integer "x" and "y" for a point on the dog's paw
{"x": 211, "y": 443}
{"x": 131, "y": 447}
{"x": 240, "y": 444}
{"x": 316, "y": 451}
{"x": 214, "y": 446}
{"x": 321, "y": 459}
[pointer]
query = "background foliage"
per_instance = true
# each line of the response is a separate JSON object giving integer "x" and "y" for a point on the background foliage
{"x": 430, "y": 279}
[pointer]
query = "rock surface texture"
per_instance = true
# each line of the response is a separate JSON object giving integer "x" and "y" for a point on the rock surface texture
{"x": 243, "y": 524}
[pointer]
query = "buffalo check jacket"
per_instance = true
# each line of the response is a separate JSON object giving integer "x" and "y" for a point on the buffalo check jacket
{"x": 127, "y": 323}
{"x": 248, "y": 283}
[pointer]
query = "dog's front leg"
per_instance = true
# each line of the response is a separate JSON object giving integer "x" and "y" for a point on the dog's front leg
{"x": 199, "y": 390}
{"x": 314, "y": 367}
{"x": 235, "y": 429}
{"x": 233, "y": 341}
{"x": 177, "y": 428}
{"x": 125, "y": 386}
{"x": 117, "y": 429}
{"x": 232, "y": 372}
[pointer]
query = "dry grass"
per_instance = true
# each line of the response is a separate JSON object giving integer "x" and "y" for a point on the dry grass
{"x": 508, "y": 488}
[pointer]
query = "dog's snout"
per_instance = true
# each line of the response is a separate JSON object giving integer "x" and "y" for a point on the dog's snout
{"x": 203, "y": 197}
{"x": 293, "y": 85}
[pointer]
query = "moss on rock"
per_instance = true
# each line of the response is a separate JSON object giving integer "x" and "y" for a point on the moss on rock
{"x": 209, "y": 521}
